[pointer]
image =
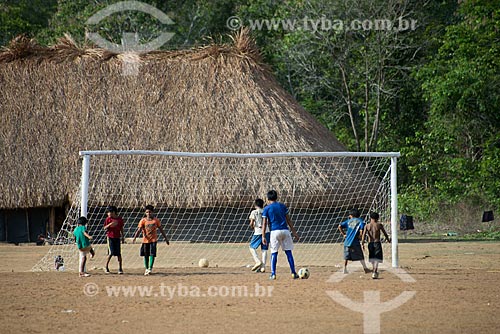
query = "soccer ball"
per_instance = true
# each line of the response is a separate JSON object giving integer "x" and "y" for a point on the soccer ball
{"x": 203, "y": 263}
{"x": 304, "y": 273}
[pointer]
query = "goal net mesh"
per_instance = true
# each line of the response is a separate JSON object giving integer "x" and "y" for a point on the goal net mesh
{"x": 204, "y": 203}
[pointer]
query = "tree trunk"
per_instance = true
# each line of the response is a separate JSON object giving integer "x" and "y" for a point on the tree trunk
{"x": 348, "y": 98}
{"x": 367, "y": 99}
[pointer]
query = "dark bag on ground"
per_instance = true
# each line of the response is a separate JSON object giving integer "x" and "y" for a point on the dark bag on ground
{"x": 406, "y": 223}
{"x": 488, "y": 216}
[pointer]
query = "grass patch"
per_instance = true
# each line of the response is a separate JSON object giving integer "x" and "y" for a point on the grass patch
{"x": 486, "y": 235}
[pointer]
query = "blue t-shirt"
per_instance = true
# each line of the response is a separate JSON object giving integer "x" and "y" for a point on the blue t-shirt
{"x": 276, "y": 216}
{"x": 353, "y": 225}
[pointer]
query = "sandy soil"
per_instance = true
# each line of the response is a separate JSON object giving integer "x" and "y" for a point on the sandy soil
{"x": 456, "y": 290}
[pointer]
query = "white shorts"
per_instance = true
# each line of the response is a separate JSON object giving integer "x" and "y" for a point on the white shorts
{"x": 84, "y": 251}
{"x": 281, "y": 238}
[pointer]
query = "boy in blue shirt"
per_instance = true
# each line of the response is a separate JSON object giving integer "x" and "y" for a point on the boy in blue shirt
{"x": 275, "y": 215}
{"x": 352, "y": 247}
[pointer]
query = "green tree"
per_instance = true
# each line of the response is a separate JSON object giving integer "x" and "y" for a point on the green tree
{"x": 347, "y": 77}
{"x": 24, "y": 17}
{"x": 194, "y": 21}
{"x": 454, "y": 157}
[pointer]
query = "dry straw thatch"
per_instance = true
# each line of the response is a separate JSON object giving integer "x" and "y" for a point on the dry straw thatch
{"x": 56, "y": 101}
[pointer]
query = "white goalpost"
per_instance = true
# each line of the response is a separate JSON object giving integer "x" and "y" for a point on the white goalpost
{"x": 204, "y": 200}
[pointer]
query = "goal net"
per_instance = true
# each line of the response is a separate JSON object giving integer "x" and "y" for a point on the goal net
{"x": 204, "y": 200}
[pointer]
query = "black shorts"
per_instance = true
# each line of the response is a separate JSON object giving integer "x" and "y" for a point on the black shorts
{"x": 114, "y": 247}
{"x": 375, "y": 253}
{"x": 148, "y": 249}
{"x": 353, "y": 253}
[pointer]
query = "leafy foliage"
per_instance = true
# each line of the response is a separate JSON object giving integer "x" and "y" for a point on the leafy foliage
{"x": 456, "y": 154}
{"x": 24, "y": 17}
{"x": 194, "y": 21}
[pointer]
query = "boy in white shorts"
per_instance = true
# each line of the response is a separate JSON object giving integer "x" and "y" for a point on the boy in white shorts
{"x": 275, "y": 215}
{"x": 256, "y": 225}
{"x": 82, "y": 239}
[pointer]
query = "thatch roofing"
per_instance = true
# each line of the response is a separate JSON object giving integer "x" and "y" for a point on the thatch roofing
{"x": 56, "y": 101}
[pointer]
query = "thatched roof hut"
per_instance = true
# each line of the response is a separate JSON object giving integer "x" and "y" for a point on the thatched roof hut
{"x": 56, "y": 101}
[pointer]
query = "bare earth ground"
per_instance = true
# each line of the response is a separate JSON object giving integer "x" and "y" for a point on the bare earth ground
{"x": 457, "y": 290}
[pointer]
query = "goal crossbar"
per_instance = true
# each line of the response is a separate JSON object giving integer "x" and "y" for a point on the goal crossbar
{"x": 246, "y": 155}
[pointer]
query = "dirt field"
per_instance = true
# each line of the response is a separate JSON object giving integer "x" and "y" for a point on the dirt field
{"x": 456, "y": 286}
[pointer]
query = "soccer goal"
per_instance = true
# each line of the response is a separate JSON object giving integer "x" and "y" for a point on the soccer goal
{"x": 204, "y": 200}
